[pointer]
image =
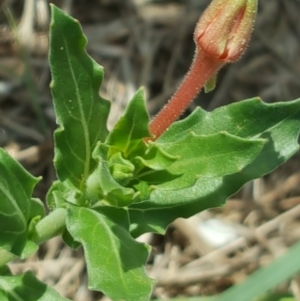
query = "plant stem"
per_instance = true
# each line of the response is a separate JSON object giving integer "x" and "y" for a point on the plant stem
{"x": 50, "y": 226}
{"x": 201, "y": 70}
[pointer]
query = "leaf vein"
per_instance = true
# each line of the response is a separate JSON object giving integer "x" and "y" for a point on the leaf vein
{"x": 81, "y": 111}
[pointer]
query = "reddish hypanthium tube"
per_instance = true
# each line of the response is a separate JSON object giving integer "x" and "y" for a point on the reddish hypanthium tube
{"x": 221, "y": 36}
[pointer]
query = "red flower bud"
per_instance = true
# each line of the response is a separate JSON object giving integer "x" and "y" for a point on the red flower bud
{"x": 225, "y": 27}
{"x": 221, "y": 36}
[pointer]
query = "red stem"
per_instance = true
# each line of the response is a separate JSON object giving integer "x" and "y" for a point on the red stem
{"x": 201, "y": 70}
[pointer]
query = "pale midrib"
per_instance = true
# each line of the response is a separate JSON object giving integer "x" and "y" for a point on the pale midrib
{"x": 114, "y": 247}
{"x": 83, "y": 121}
{"x": 9, "y": 291}
{"x": 15, "y": 205}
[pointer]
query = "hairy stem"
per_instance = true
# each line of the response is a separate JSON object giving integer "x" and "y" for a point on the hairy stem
{"x": 201, "y": 70}
{"x": 50, "y": 226}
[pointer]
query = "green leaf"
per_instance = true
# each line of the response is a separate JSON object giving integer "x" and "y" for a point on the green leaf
{"x": 211, "y": 169}
{"x": 81, "y": 112}
{"x": 154, "y": 158}
{"x": 56, "y": 195}
{"x": 189, "y": 299}
{"x": 279, "y": 123}
{"x": 115, "y": 261}
{"x": 60, "y": 195}
{"x": 37, "y": 208}
{"x": 275, "y": 297}
{"x": 37, "y": 211}
{"x": 26, "y": 287}
{"x": 16, "y": 205}
{"x": 210, "y": 156}
{"x": 251, "y": 119}
{"x": 128, "y": 133}
{"x": 5, "y": 271}
{"x": 143, "y": 191}
{"x": 101, "y": 186}
{"x": 69, "y": 240}
{"x": 121, "y": 169}
{"x": 246, "y": 119}
{"x": 210, "y": 85}
{"x": 266, "y": 278}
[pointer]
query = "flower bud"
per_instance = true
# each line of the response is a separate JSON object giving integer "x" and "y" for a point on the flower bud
{"x": 224, "y": 29}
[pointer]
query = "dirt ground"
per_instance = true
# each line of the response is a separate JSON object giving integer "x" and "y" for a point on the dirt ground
{"x": 149, "y": 43}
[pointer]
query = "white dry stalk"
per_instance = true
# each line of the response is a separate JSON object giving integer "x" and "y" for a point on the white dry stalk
{"x": 34, "y": 12}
